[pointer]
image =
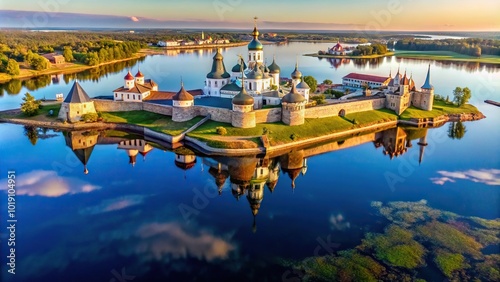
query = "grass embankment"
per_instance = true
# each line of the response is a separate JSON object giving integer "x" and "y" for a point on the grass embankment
{"x": 43, "y": 114}
{"x": 440, "y": 108}
{"x": 388, "y": 54}
{"x": 447, "y": 56}
{"x": 279, "y": 133}
{"x": 153, "y": 121}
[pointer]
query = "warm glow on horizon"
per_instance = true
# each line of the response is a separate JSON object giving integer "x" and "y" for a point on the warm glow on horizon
{"x": 425, "y": 15}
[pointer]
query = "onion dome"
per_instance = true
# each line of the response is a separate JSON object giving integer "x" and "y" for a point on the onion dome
{"x": 293, "y": 96}
{"x": 296, "y": 74}
{"x": 183, "y": 95}
{"x": 255, "y": 43}
{"x": 303, "y": 85}
{"x": 129, "y": 76}
{"x": 218, "y": 69}
{"x": 237, "y": 67}
{"x": 427, "y": 84}
{"x": 243, "y": 98}
{"x": 256, "y": 73}
{"x": 274, "y": 68}
{"x": 139, "y": 74}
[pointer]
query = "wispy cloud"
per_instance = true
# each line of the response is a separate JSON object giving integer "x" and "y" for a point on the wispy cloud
{"x": 49, "y": 184}
{"x": 114, "y": 204}
{"x": 485, "y": 176}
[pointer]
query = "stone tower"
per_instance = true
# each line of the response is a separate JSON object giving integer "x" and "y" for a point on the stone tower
{"x": 293, "y": 107}
{"x": 427, "y": 100}
{"x": 243, "y": 115}
{"x": 182, "y": 103}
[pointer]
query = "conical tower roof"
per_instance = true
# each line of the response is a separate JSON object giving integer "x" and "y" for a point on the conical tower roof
{"x": 77, "y": 95}
{"x": 243, "y": 98}
{"x": 427, "y": 84}
{"x": 183, "y": 95}
{"x": 218, "y": 69}
{"x": 293, "y": 96}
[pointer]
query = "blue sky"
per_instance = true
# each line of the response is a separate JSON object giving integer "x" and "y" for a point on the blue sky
{"x": 355, "y": 14}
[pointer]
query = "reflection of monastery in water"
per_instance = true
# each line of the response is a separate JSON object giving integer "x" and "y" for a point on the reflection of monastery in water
{"x": 249, "y": 176}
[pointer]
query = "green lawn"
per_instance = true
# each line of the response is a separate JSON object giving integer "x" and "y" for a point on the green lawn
{"x": 440, "y": 108}
{"x": 43, "y": 113}
{"x": 447, "y": 56}
{"x": 279, "y": 133}
{"x": 150, "y": 120}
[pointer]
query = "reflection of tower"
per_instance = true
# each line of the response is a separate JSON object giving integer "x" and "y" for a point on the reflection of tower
{"x": 220, "y": 176}
{"x": 134, "y": 147}
{"x": 394, "y": 141}
{"x": 241, "y": 171}
{"x": 254, "y": 197}
{"x": 82, "y": 143}
{"x": 292, "y": 164}
{"x": 274, "y": 169}
{"x": 422, "y": 143}
{"x": 185, "y": 161}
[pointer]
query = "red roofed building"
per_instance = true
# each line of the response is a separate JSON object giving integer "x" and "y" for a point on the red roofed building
{"x": 358, "y": 80}
{"x": 337, "y": 50}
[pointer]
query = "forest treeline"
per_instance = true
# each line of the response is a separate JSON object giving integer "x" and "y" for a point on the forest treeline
{"x": 470, "y": 46}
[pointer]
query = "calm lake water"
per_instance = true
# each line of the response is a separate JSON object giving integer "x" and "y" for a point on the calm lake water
{"x": 157, "y": 218}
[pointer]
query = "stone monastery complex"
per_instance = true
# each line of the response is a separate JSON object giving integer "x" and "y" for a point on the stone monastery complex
{"x": 255, "y": 93}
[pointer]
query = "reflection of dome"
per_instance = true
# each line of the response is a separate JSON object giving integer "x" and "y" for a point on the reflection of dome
{"x": 241, "y": 169}
{"x": 271, "y": 185}
{"x": 185, "y": 162}
{"x": 220, "y": 177}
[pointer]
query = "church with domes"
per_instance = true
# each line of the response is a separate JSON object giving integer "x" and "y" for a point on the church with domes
{"x": 259, "y": 80}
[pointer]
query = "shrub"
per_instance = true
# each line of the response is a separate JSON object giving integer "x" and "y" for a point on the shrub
{"x": 355, "y": 122}
{"x": 265, "y": 131}
{"x": 30, "y": 106}
{"x": 90, "y": 117}
{"x": 221, "y": 130}
{"x": 319, "y": 99}
{"x": 293, "y": 136}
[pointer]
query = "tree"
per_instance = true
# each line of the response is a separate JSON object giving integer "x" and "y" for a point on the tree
{"x": 456, "y": 130}
{"x": 12, "y": 67}
{"x": 477, "y": 51}
{"x": 68, "y": 54}
{"x": 327, "y": 82}
{"x": 312, "y": 82}
{"x": 30, "y": 106}
{"x": 38, "y": 62}
{"x": 461, "y": 96}
{"x": 32, "y": 133}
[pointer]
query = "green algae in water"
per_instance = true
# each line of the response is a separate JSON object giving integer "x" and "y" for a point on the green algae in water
{"x": 449, "y": 262}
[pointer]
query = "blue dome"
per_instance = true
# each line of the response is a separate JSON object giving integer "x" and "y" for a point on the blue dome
{"x": 255, "y": 45}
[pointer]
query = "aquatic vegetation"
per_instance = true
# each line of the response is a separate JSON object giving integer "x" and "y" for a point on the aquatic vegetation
{"x": 452, "y": 242}
{"x": 396, "y": 247}
{"x": 346, "y": 266}
{"x": 448, "y": 262}
{"x": 489, "y": 270}
{"x": 445, "y": 235}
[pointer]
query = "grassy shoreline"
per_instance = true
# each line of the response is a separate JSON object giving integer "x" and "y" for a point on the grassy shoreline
{"x": 446, "y": 56}
{"x": 277, "y": 133}
{"x": 66, "y": 69}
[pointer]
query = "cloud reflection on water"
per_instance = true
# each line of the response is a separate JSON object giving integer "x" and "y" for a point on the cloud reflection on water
{"x": 485, "y": 176}
{"x": 48, "y": 183}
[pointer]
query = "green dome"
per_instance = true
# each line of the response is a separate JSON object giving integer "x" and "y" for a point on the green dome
{"x": 237, "y": 67}
{"x": 255, "y": 45}
{"x": 218, "y": 68}
{"x": 293, "y": 96}
{"x": 274, "y": 68}
{"x": 256, "y": 73}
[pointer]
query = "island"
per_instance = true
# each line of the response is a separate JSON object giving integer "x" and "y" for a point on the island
{"x": 251, "y": 110}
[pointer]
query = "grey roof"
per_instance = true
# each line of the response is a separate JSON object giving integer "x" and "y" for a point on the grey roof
{"x": 183, "y": 95}
{"x": 256, "y": 73}
{"x": 293, "y": 96}
{"x": 273, "y": 94}
{"x": 427, "y": 84}
{"x": 77, "y": 94}
{"x": 303, "y": 85}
